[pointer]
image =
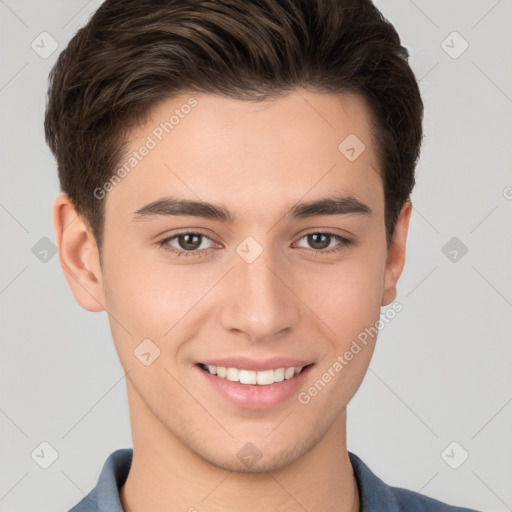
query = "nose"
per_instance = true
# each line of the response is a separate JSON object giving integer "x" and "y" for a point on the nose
{"x": 259, "y": 301}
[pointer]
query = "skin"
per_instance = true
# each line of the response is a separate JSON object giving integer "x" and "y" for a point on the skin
{"x": 257, "y": 160}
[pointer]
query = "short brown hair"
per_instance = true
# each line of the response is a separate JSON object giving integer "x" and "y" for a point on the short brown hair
{"x": 135, "y": 53}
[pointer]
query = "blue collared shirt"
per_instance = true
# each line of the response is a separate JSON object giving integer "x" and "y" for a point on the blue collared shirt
{"x": 374, "y": 494}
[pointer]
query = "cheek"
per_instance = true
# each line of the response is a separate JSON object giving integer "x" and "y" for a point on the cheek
{"x": 347, "y": 300}
{"x": 347, "y": 296}
{"x": 149, "y": 300}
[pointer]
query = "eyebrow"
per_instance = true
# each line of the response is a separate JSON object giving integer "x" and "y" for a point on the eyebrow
{"x": 170, "y": 206}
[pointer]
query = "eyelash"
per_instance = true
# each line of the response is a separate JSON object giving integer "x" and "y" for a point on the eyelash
{"x": 344, "y": 242}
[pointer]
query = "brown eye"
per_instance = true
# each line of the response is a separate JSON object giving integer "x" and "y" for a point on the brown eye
{"x": 322, "y": 242}
{"x": 189, "y": 241}
{"x": 319, "y": 240}
{"x": 186, "y": 244}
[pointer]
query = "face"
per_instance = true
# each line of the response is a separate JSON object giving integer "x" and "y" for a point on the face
{"x": 285, "y": 268}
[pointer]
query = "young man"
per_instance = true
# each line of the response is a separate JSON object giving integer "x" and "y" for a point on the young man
{"x": 236, "y": 181}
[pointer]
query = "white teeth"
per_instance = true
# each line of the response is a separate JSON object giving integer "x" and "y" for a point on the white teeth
{"x": 289, "y": 373}
{"x": 233, "y": 374}
{"x": 262, "y": 378}
{"x": 247, "y": 377}
{"x": 279, "y": 375}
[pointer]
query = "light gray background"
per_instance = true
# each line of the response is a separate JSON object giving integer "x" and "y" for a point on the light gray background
{"x": 441, "y": 371}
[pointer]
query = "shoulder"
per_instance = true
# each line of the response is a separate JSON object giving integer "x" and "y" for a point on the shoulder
{"x": 376, "y": 496}
{"x": 88, "y": 503}
{"x": 413, "y": 501}
{"x": 105, "y": 496}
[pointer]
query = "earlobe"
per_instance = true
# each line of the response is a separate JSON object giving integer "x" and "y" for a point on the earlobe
{"x": 78, "y": 254}
{"x": 396, "y": 255}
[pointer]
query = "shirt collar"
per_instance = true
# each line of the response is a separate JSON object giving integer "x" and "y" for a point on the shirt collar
{"x": 374, "y": 494}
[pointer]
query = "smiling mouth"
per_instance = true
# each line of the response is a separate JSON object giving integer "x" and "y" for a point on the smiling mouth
{"x": 252, "y": 377}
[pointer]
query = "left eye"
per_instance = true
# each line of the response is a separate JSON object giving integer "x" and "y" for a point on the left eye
{"x": 320, "y": 241}
{"x": 187, "y": 242}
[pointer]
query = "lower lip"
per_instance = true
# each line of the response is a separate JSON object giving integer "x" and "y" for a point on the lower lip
{"x": 253, "y": 396}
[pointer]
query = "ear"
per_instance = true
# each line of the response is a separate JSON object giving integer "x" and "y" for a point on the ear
{"x": 78, "y": 254}
{"x": 396, "y": 255}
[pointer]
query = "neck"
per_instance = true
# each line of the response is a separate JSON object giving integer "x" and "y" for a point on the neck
{"x": 165, "y": 472}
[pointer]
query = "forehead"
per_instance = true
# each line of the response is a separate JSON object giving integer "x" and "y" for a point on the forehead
{"x": 251, "y": 155}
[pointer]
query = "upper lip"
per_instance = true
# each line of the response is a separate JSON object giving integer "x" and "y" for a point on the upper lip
{"x": 247, "y": 363}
